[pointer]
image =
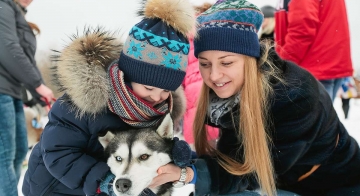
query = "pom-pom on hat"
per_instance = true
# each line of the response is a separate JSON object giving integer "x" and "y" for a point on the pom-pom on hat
{"x": 155, "y": 52}
{"x": 229, "y": 25}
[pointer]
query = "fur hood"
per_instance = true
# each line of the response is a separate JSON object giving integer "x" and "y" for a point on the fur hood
{"x": 79, "y": 70}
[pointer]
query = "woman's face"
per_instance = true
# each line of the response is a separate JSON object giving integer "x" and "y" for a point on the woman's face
{"x": 24, "y": 3}
{"x": 222, "y": 71}
{"x": 152, "y": 95}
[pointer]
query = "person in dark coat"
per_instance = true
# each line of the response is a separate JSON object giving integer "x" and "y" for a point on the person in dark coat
{"x": 17, "y": 70}
{"x": 105, "y": 92}
{"x": 279, "y": 132}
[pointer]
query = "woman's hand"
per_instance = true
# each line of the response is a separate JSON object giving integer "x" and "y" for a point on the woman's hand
{"x": 45, "y": 92}
{"x": 170, "y": 173}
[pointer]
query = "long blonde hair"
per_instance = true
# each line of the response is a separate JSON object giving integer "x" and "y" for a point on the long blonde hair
{"x": 253, "y": 124}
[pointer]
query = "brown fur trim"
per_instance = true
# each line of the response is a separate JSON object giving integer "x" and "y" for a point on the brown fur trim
{"x": 179, "y": 104}
{"x": 179, "y": 14}
{"x": 80, "y": 70}
{"x": 202, "y": 8}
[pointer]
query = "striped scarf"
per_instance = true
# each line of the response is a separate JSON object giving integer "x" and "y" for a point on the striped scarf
{"x": 131, "y": 108}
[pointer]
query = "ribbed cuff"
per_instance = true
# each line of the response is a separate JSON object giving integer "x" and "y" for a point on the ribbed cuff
{"x": 227, "y": 39}
{"x": 149, "y": 74}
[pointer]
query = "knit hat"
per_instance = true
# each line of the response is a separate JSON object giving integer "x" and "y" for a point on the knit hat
{"x": 155, "y": 52}
{"x": 229, "y": 25}
{"x": 268, "y": 11}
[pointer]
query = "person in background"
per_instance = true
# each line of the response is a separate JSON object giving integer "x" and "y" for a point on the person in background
{"x": 315, "y": 35}
{"x": 348, "y": 91}
{"x": 279, "y": 132}
{"x": 105, "y": 92}
{"x": 192, "y": 84}
{"x": 17, "y": 69}
{"x": 268, "y": 25}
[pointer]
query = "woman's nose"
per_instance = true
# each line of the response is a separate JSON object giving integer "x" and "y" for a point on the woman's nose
{"x": 215, "y": 74}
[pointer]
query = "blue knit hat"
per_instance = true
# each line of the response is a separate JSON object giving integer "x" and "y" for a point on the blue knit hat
{"x": 155, "y": 52}
{"x": 229, "y": 25}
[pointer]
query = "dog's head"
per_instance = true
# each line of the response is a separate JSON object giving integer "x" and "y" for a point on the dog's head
{"x": 135, "y": 155}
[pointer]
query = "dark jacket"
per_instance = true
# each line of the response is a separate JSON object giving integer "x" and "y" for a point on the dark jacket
{"x": 305, "y": 127}
{"x": 68, "y": 160}
{"x": 17, "y": 51}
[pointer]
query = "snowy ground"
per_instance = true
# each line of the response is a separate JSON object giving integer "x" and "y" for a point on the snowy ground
{"x": 352, "y": 125}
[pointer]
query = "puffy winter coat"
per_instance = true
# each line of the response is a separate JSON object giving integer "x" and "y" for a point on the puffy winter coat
{"x": 69, "y": 160}
{"x": 192, "y": 86}
{"x": 315, "y": 35}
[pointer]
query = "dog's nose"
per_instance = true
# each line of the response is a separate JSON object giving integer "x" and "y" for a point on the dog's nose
{"x": 122, "y": 185}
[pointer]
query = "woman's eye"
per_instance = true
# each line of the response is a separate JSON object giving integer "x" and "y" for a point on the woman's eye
{"x": 203, "y": 64}
{"x": 147, "y": 88}
{"x": 226, "y": 64}
{"x": 166, "y": 91}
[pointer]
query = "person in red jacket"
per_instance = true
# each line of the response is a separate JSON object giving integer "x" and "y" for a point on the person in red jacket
{"x": 315, "y": 35}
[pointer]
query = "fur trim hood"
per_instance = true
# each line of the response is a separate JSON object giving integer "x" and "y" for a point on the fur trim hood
{"x": 79, "y": 70}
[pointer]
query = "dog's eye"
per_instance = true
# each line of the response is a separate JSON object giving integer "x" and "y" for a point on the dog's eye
{"x": 144, "y": 157}
{"x": 118, "y": 158}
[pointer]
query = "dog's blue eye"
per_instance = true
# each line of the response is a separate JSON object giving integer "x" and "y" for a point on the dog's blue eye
{"x": 144, "y": 157}
{"x": 118, "y": 158}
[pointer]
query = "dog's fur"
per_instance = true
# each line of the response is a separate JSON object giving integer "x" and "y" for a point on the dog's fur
{"x": 33, "y": 134}
{"x": 135, "y": 155}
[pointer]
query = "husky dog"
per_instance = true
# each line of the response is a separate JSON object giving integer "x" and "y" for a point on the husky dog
{"x": 135, "y": 155}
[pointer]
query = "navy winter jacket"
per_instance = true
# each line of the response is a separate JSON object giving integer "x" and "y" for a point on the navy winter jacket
{"x": 71, "y": 165}
{"x": 305, "y": 127}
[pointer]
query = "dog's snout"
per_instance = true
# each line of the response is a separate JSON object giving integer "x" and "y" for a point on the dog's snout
{"x": 122, "y": 185}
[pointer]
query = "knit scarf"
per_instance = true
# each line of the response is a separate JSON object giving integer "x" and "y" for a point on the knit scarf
{"x": 218, "y": 107}
{"x": 131, "y": 108}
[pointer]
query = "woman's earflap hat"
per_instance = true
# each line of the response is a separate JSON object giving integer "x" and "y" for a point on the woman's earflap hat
{"x": 155, "y": 52}
{"x": 229, "y": 25}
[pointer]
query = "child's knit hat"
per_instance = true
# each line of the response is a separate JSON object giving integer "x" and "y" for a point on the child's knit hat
{"x": 229, "y": 25}
{"x": 155, "y": 53}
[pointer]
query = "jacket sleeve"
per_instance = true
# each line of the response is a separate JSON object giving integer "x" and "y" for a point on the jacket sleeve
{"x": 63, "y": 146}
{"x": 12, "y": 55}
{"x": 303, "y": 22}
{"x": 212, "y": 179}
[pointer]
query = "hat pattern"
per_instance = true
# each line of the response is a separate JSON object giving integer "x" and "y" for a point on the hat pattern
{"x": 154, "y": 49}
{"x": 235, "y": 23}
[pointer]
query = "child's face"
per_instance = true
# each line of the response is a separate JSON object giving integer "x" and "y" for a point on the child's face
{"x": 222, "y": 71}
{"x": 150, "y": 94}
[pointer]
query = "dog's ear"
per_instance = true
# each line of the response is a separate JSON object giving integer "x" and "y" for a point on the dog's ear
{"x": 166, "y": 128}
{"x": 105, "y": 140}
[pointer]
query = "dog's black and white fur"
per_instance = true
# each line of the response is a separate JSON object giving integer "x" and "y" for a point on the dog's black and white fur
{"x": 135, "y": 155}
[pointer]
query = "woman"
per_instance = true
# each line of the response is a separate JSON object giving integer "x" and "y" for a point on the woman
{"x": 278, "y": 127}
{"x": 106, "y": 93}
{"x": 17, "y": 69}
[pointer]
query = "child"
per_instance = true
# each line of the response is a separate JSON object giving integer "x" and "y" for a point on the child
{"x": 278, "y": 127}
{"x": 103, "y": 95}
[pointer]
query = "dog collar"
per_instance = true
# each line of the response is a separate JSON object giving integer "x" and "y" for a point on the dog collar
{"x": 181, "y": 182}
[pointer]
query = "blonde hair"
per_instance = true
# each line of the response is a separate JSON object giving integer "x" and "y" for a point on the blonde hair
{"x": 253, "y": 123}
